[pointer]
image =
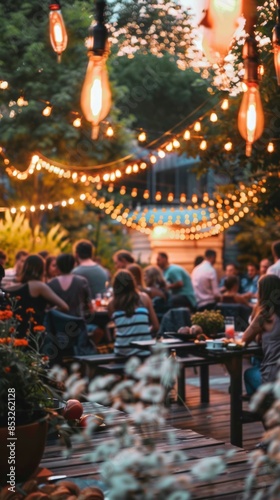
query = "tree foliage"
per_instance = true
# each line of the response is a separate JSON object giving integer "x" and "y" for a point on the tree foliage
{"x": 16, "y": 234}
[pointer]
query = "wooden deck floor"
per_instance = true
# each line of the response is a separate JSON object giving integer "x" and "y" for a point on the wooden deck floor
{"x": 211, "y": 419}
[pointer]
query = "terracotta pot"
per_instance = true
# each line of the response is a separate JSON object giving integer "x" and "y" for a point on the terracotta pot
{"x": 20, "y": 457}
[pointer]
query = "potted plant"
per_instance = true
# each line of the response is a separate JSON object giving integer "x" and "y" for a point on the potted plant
{"x": 211, "y": 322}
{"x": 24, "y": 399}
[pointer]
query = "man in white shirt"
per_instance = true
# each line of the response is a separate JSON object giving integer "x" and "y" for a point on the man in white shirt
{"x": 205, "y": 282}
{"x": 275, "y": 268}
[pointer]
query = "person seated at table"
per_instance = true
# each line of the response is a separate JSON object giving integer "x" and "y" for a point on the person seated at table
{"x": 231, "y": 295}
{"x": 71, "y": 288}
{"x": 265, "y": 329}
{"x": 137, "y": 273}
{"x": 249, "y": 283}
{"x": 230, "y": 270}
{"x": 132, "y": 313}
{"x": 51, "y": 268}
{"x": 122, "y": 259}
{"x": 33, "y": 294}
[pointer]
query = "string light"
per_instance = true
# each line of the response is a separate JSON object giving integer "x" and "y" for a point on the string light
{"x": 142, "y": 137}
{"x": 77, "y": 122}
{"x": 228, "y": 146}
{"x": 110, "y": 131}
{"x": 270, "y": 147}
{"x": 176, "y": 143}
{"x": 197, "y": 127}
{"x": 225, "y": 105}
{"x": 203, "y": 145}
{"x": 187, "y": 135}
{"x": 213, "y": 117}
{"x": 47, "y": 110}
{"x": 22, "y": 102}
{"x": 3, "y": 85}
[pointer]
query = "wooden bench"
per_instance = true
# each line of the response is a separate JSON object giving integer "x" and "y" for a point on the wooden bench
{"x": 92, "y": 361}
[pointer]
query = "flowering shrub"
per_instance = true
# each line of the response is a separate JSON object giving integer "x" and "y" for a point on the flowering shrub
{"x": 134, "y": 462}
{"x": 22, "y": 367}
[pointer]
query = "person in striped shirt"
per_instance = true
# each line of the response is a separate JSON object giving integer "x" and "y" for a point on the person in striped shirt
{"x": 132, "y": 313}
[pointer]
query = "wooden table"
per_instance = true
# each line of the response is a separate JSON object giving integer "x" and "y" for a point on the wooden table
{"x": 232, "y": 359}
{"x": 228, "y": 485}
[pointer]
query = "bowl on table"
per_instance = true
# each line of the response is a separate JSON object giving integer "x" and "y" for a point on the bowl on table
{"x": 215, "y": 344}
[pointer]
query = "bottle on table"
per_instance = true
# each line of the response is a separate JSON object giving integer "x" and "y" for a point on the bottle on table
{"x": 173, "y": 394}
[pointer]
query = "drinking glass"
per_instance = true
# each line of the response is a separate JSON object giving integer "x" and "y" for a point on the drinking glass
{"x": 98, "y": 299}
{"x": 229, "y": 327}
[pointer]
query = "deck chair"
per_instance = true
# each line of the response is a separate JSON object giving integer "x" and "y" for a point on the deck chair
{"x": 66, "y": 337}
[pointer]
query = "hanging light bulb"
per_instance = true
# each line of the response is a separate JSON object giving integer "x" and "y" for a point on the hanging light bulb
{"x": 228, "y": 146}
{"x": 176, "y": 144}
{"x": 153, "y": 159}
{"x": 47, "y": 110}
{"x": 187, "y": 135}
{"x": 170, "y": 197}
{"x": 158, "y": 196}
{"x": 250, "y": 116}
{"x": 183, "y": 198}
{"x": 276, "y": 43}
{"x": 169, "y": 147}
{"x": 22, "y": 102}
{"x": 203, "y": 145}
{"x": 96, "y": 93}
{"x": 270, "y": 147}
{"x": 161, "y": 153}
{"x": 213, "y": 117}
{"x": 220, "y": 23}
{"x": 77, "y": 122}
{"x": 197, "y": 127}
{"x": 142, "y": 137}
{"x": 224, "y": 104}
{"x": 58, "y": 34}
{"x": 146, "y": 194}
{"x": 110, "y": 131}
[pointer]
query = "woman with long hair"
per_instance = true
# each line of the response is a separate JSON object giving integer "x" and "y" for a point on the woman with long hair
{"x": 132, "y": 313}
{"x": 265, "y": 329}
{"x": 73, "y": 289}
{"x": 51, "y": 270}
{"x": 32, "y": 294}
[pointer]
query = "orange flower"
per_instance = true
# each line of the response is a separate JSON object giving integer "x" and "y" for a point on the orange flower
{"x": 39, "y": 328}
{"x": 7, "y": 369}
{"x": 5, "y": 315}
{"x": 20, "y": 342}
{"x": 5, "y": 340}
{"x": 30, "y": 310}
{"x": 12, "y": 329}
{"x": 18, "y": 317}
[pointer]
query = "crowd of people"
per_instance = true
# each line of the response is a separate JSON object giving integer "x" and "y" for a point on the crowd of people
{"x": 139, "y": 299}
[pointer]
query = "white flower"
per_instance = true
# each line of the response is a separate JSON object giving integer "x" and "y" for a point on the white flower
{"x": 207, "y": 468}
{"x": 57, "y": 373}
{"x": 121, "y": 484}
{"x": 123, "y": 389}
{"x": 76, "y": 389}
{"x": 102, "y": 382}
{"x": 132, "y": 365}
{"x": 100, "y": 397}
{"x": 72, "y": 379}
{"x": 153, "y": 393}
